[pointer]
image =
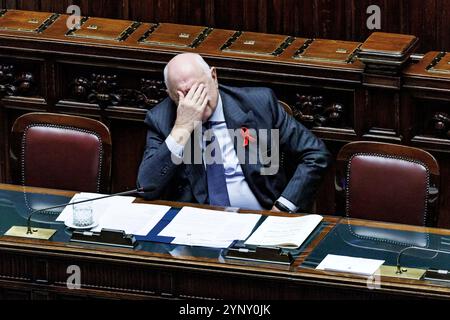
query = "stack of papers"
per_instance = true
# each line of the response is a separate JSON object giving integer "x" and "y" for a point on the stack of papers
{"x": 361, "y": 266}
{"x": 119, "y": 213}
{"x": 137, "y": 219}
{"x": 209, "y": 228}
{"x": 284, "y": 232}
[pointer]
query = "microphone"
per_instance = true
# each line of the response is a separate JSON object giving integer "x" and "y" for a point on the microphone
{"x": 401, "y": 270}
{"x": 47, "y": 233}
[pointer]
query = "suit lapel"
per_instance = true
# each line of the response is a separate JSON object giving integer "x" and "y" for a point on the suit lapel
{"x": 237, "y": 118}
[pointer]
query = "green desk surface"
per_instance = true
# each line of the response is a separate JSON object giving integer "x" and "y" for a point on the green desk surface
{"x": 344, "y": 239}
{"x": 383, "y": 244}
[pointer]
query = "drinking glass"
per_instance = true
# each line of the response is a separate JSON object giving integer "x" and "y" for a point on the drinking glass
{"x": 83, "y": 214}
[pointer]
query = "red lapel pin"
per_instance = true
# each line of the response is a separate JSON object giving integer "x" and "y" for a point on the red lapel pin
{"x": 246, "y": 136}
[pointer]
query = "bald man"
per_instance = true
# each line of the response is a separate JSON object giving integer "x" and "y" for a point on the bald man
{"x": 220, "y": 145}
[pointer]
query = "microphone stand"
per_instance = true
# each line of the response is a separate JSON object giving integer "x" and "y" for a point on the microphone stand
{"x": 399, "y": 268}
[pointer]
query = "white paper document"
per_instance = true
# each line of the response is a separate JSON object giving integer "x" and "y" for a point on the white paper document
{"x": 284, "y": 232}
{"x": 135, "y": 218}
{"x": 99, "y": 207}
{"x": 366, "y": 267}
{"x": 209, "y": 228}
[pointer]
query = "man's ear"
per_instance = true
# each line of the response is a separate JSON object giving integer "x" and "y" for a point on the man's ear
{"x": 214, "y": 75}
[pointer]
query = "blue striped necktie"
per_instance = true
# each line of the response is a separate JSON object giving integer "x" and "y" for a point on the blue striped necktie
{"x": 215, "y": 172}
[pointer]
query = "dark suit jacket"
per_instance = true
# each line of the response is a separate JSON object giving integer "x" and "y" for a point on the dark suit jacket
{"x": 255, "y": 108}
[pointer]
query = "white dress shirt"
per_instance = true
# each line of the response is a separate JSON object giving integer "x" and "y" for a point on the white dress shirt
{"x": 239, "y": 192}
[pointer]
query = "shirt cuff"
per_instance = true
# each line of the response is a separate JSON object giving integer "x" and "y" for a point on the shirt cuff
{"x": 288, "y": 204}
{"x": 175, "y": 148}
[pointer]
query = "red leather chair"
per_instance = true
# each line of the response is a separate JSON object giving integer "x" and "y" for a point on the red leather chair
{"x": 387, "y": 182}
{"x": 62, "y": 152}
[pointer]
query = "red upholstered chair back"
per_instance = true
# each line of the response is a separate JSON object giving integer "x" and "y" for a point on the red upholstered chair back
{"x": 62, "y": 152}
{"x": 390, "y": 183}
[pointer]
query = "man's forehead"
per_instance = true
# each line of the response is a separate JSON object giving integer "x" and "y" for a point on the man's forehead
{"x": 188, "y": 74}
{"x": 181, "y": 81}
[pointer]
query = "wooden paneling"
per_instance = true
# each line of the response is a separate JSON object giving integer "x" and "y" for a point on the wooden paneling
{"x": 28, "y": 5}
{"x": 56, "y": 6}
{"x": 331, "y": 19}
{"x": 442, "y": 34}
{"x": 110, "y": 9}
{"x": 10, "y": 4}
{"x": 425, "y": 19}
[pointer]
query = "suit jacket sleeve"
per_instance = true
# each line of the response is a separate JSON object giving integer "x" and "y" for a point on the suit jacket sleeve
{"x": 157, "y": 167}
{"x": 306, "y": 151}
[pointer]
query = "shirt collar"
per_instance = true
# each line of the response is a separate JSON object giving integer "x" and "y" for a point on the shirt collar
{"x": 218, "y": 114}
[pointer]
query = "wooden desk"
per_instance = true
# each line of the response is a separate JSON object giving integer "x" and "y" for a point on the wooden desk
{"x": 32, "y": 269}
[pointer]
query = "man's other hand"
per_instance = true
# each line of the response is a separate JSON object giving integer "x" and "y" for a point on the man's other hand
{"x": 275, "y": 209}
